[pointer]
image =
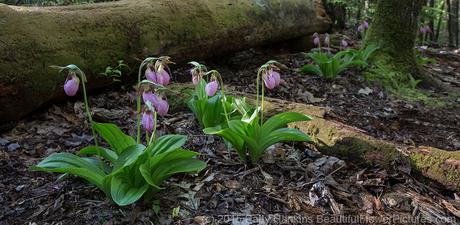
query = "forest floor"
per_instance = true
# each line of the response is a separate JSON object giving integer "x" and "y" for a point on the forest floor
{"x": 283, "y": 185}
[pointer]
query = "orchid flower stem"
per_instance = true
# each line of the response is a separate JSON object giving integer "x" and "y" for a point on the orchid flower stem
{"x": 90, "y": 118}
{"x": 154, "y": 133}
{"x": 147, "y": 139}
{"x": 222, "y": 91}
{"x": 262, "y": 106}
{"x": 138, "y": 110}
{"x": 257, "y": 89}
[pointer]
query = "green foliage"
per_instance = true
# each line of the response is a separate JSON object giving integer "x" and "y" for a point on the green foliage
{"x": 422, "y": 59}
{"x": 363, "y": 54}
{"x": 115, "y": 72}
{"x": 250, "y": 139}
{"x": 128, "y": 170}
{"x": 330, "y": 66}
{"x": 396, "y": 83}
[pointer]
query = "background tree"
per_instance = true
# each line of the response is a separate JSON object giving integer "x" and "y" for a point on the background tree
{"x": 394, "y": 30}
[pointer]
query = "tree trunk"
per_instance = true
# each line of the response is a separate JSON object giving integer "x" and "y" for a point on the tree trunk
{"x": 454, "y": 22}
{"x": 440, "y": 19}
{"x": 394, "y": 30}
{"x": 94, "y": 36}
{"x": 431, "y": 22}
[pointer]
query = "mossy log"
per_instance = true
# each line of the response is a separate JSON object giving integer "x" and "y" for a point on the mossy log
{"x": 335, "y": 138}
{"x": 350, "y": 143}
{"x": 94, "y": 36}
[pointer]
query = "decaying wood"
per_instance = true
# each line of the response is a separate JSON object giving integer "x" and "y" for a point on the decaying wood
{"x": 94, "y": 36}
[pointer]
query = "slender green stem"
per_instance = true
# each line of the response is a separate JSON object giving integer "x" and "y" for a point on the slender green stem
{"x": 262, "y": 106}
{"x": 138, "y": 110}
{"x": 257, "y": 89}
{"x": 154, "y": 133}
{"x": 147, "y": 139}
{"x": 224, "y": 98}
{"x": 90, "y": 118}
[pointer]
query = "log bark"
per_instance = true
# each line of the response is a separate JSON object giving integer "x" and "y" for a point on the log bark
{"x": 352, "y": 144}
{"x": 94, "y": 36}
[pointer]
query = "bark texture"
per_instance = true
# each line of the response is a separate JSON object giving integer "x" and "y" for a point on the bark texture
{"x": 94, "y": 36}
{"x": 394, "y": 30}
{"x": 335, "y": 138}
{"x": 350, "y": 143}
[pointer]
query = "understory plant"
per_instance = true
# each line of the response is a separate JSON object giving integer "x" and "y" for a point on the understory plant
{"x": 330, "y": 66}
{"x": 210, "y": 107}
{"x": 251, "y": 135}
{"x": 128, "y": 169}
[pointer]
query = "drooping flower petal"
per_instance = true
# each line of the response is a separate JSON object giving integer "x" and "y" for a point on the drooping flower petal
{"x": 150, "y": 75}
{"x": 71, "y": 85}
{"x": 162, "y": 107}
{"x": 344, "y": 43}
{"x": 150, "y": 97}
{"x": 365, "y": 25}
{"x": 163, "y": 77}
{"x": 148, "y": 121}
{"x": 316, "y": 40}
{"x": 327, "y": 40}
{"x": 211, "y": 88}
{"x": 269, "y": 81}
{"x": 275, "y": 76}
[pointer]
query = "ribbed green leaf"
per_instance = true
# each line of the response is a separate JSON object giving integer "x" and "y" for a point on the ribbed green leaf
{"x": 166, "y": 143}
{"x": 105, "y": 153}
{"x": 129, "y": 156}
{"x": 72, "y": 164}
{"x": 282, "y": 119}
{"x": 124, "y": 191}
{"x": 114, "y": 136}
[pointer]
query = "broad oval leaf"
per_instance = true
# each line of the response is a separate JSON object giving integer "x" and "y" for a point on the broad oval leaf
{"x": 166, "y": 143}
{"x": 129, "y": 156}
{"x": 114, "y": 136}
{"x": 72, "y": 164}
{"x": 105, "y": 153}
{"x": 124, "y": 191}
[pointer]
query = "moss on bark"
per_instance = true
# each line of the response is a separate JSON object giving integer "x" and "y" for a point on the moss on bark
{"x": 394, "y": 31}
{"x": 94, "y": 36}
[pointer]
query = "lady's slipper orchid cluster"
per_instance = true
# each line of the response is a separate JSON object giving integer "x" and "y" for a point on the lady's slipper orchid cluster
{"x": 155, "y": 102}
{"x": 126, "y": 170}
{"x": 363, "y": 26}
{"x": 326, "y": 41}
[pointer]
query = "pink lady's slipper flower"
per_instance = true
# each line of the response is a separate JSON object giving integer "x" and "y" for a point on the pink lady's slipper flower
{"x": 163, "y": 77}
{"x": 195, "y": 77}
{"x": 148, "y": 120}
{"x": 344, "y": 44}
{"x": 150, "y": 97}
{"x": 150, "y": 75}
{"x": 162, "y": 107}
{"x": 327, "y": 40}
{"x": 71, "y": 85}
{"x": 275, "y": 76}
{"x": 211, "y": 88}
{"x": 360, "y": 28}
{"x": 316, "y": 40}
{"x": 428, "y": 29}
{"x": 269, "y": 81}
{"x": 365, "y": 25}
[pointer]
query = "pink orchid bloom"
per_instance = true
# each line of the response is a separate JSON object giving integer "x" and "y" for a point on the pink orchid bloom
{"x": 211, "y": 88}
{"x": 71, "y": 85}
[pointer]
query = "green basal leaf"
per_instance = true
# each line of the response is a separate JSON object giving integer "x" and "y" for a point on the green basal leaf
{"x": 166, "y": 143}
{"x": 72, "y": 164}
{"x": 114, "y": 136}
{"x": 105, "y": 153}
{"x": 128, "y": 156}
{"x": 124, "y": 191}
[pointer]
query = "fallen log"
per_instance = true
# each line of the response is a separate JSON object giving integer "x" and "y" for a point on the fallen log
{"x": 94, "y": 36}
{"x": 350, "y": 143}
{"x": 346, "y": 142}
